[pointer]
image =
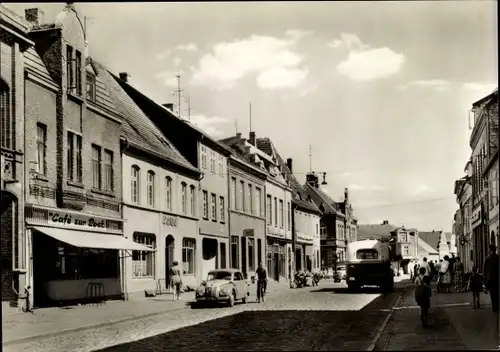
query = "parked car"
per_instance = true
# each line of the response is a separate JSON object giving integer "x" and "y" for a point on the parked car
{"x": 223, "y": 286}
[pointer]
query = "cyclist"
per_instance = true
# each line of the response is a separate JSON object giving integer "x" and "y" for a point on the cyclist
{"x": 261, "y": 282}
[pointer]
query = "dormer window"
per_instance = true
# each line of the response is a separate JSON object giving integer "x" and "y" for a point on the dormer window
{"x": 91, "y": 86}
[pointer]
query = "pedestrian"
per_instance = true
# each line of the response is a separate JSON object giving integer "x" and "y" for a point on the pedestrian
{"x": 432, "y": 271}
{"x": 445, "y": 275}
{"x": 491, "y": 274}
{"x": 425, "y": 264}
{"x": 476, "y": 287}
{"x": 175, "y": 280}
{"x": 439, "y": 274}
{"x": 423, "y": 295}
{"x": 416, "y": 271}
{"x": 459, "y": 275}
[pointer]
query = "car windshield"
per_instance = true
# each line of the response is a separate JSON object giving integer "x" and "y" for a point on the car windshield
{"x": 219, "y": 275}
{"x": 367, "y": 254}
{"x": 341, "y": 267}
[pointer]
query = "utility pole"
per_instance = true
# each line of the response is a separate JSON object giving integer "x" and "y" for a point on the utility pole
{"x": 310, "y": 158}
{"x": 188, "y": 100}
{"x": 179, "y": 93}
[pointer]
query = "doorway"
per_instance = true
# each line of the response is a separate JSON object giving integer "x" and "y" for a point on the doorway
{"x": 169, "y": 258}
{"x": 244, "y": 256}
{"x": 276, "y": 266}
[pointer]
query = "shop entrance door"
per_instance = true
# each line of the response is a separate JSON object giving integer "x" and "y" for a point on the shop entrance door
{"x": 244, "y": 256}
{"x": 169, "y": 258}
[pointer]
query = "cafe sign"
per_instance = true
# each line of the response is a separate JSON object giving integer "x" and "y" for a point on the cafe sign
{"x": 304, "y": 239}
{"x": 64, "y": 219}
{"x": 169, "y": 220}
{"x": 248, "y": 232}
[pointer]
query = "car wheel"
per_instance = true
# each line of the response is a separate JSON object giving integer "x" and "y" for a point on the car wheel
{"x": 231, "y": 300}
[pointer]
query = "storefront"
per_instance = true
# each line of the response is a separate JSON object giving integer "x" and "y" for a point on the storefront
{"x": 307, "y": 256}
{"x": 72, "y": 253}
{"x": 172, "y": 238}
{"x": 479, "y": 235}
{"x": 278, "y": 253}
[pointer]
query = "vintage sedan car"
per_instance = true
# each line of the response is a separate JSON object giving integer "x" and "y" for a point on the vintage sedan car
{"x": 225, "y": 286}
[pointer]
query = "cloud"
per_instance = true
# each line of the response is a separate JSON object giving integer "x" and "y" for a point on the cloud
{"x": 422, "y": 189}
{"x": 187, "y": 47}
{"x": 364, "y": 63}
{"x": 163, "y": 54}
{"x": 209, "y": 124}
{"x": 271, "y": 59}
{"x": 434, "y": 84}
{"x": 169, "y": 77}
{"x": 481, "y": 88}
{"x": 297, "y": 34}
{"x": 177, "y": 60}
{"x": 356, "y": 187}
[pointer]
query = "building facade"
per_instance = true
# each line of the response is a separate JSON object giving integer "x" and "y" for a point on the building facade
{"x": 462, "y": 228}
{"x": 405, "y": 244}
{"x": 491, "y": 174}
{"x": 14, "y": 42}
{"x": 74, "y": 227}
{"x": 247, "y": 222}
{"x": 160, "y": 201}
{"x": 210, "y": 157}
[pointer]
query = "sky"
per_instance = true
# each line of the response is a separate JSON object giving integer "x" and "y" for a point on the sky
{"x": 381, "y": 91}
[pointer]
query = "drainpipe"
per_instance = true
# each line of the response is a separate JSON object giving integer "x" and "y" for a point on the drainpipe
{"x": 294, "y": 241}
{"x": 123, "y": 254}
{"x": 228, "y": 249}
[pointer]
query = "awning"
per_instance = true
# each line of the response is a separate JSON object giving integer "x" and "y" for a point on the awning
{"x": 92, "y": 240}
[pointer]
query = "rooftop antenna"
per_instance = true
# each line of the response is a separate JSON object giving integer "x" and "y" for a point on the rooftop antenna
{"x": 310, "y": 158}
{"x": 250, "y": 116}
{"x": 179, "y": 93}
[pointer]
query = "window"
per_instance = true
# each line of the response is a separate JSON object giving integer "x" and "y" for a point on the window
{"x": 74, "y": 151}
{"x": 322, "y": 232}
{"x": 69, "y": 69}
{"x": 188, "y": 255}
{"x": 222, "y": 209}
{"x": 406, "y": 250}
{"x": 108, "y": 171}
{"x": 223, "y": 255}
{"x": 168, "y": 193}
{"x": 242, "y": 196}
{"x": 250, "y": 199}
{"x": 214, "y": 207}
{"x": 41, "y": 142}
{"x": 78, "y": 72}
{"x": 221, "y": 165}
{"x": 258, "y": 195}
{"x": 6, "y": 119}
{"x": 212, "y": 161}
{"x": 259, "y": 250}
{"x": 192, "y": 200}
{"x": 205, "y": 204}
{"x": 91, "y": 87}
{"x": 289, "y": 217}
{"x": 135, "y": 182}
{"x": 96, "y": 167}
{"x": 143, "y": 262}
{"x": 151, "y": 188}
{"x": 269, "y": 213}
{"x": 275, "y": 211}
{"x": 233, "y": 193}
{"x": 251, "y": 254}
{"x": 183, "y": 198}
{"x": 203, "y": 157}
{"x": 281, "y": 214}
{"x": 317, "y": 229}
{"x": 367, "y": 254}
{"x": 234, "y": 252}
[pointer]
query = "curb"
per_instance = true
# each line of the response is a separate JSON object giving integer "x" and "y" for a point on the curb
{"x": 386, "y": 320}
{"x": 94, "y": 326}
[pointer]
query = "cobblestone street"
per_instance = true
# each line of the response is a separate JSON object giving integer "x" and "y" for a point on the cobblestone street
{"x": 288, "y": 320}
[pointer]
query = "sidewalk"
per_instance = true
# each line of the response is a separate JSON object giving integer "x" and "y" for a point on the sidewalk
{"x": 53, "y": 321}
{"x": 453, "y": 324}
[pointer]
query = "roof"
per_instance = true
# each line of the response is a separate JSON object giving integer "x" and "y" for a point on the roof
{"x": 137, "y": 128}
{"x": 329, "y": 205}
{"x": 485, "y": 99}
{"x": 432, "y": 238}
{"x": 378, "y": 231}
{"x": 305, "y": 202}
{"x": 424, "y": 247}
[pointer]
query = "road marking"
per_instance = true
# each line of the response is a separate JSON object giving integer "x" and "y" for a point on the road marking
{"x": 385, "y": 322}
{"x": 436, "y": 306}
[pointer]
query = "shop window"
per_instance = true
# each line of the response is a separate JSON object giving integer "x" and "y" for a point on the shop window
{"x": 251, "y": 254}
{"x": 151, "y": 188}
{"x": 234, "y": 252}
{"x": 168, "y": 193}
{"x": 183, "y": 197}
{"x": 192, "y": 200}
{"x": 41, "y": 162}
{"x": 96, "y": 167}
{"x": 135, "y": 184}
{"x": 205, "y": 204}
{"x": 188, "y": 255}
{"x": 143, "y": 263}
{"x": 7, "y": 130}
{"x": 222, "y": 209}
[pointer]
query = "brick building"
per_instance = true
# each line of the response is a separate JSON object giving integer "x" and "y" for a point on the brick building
{"x": 14, "y": 43}
{"x": 73, "y": 216}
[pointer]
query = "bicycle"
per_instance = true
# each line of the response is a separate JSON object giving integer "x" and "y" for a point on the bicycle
{"x": 261, "y": 290}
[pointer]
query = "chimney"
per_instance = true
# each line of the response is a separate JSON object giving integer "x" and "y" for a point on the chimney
{"x": 346, "y": 195}
{"x": 34, "y": 16}
{"x": 385, "y": 222}
{"x": 289, "y": 164}
{"x": 238, "y": 135}
{"x": 251, "y": 138}
{"x": 169, "y": 106}
{"x": 124, "y": 76}
{"x": 312, "y": 179}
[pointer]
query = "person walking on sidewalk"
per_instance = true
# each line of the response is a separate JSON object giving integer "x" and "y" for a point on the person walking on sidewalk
{"x": 445, "y": 282}
{"x": 423, "y": 295}
{"x": 476, "y": 287}
{"x": 459, "y": 275}
{"x": 427, "y": 275}
{"x": 491, "y": 273}
{"x": 175, "y": 280}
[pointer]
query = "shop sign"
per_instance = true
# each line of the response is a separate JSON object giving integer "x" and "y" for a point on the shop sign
{"x": 248, "y": 232}
{"x": 304, "y": 239}
{"x": 476, "y": 217}
{"x": 272, "y": 231}
{"x": 78, "y": 220}
{"x": 169, "y": 220}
